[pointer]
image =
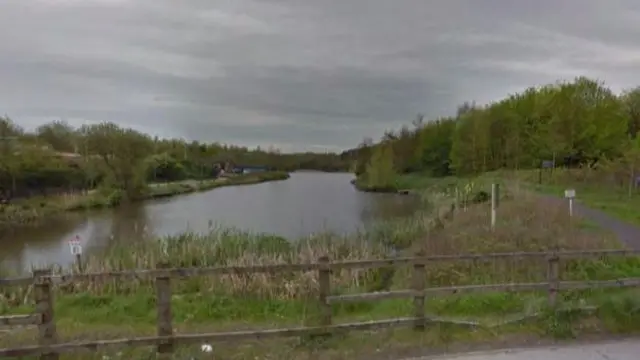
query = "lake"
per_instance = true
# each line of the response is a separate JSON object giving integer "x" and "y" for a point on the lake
{"x": 308, "y": 202}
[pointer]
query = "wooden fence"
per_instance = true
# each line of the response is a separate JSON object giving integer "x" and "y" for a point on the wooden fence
{"x": 48, "y": 346}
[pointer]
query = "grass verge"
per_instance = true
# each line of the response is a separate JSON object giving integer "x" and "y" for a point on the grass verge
{"x": 34, "y": 209}
{"x": 113, "y": 309}
{"x": 593, "y": 187}
{"x": 597, "y": 189}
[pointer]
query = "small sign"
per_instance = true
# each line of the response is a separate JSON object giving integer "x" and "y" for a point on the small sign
{"x": 75, "y": 247}
{"x": 570, "y": 193}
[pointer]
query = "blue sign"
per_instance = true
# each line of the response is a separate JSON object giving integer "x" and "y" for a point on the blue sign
{"x": 547, "y": 164}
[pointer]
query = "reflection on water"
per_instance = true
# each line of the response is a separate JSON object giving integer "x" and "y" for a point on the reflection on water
{"x": 386, "y": 206}
{"x": 308, "y": 202}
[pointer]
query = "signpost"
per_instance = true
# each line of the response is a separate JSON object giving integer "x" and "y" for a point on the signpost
{"x": 75, "y": 247}
{"x": 570, "y": 194}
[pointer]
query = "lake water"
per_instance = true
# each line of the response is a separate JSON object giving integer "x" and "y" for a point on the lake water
{"x": 308, "y": 202}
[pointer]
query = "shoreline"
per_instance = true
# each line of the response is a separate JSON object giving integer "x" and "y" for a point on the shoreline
{"x": 384, "y": 190}
{"x": 33, "y": 210}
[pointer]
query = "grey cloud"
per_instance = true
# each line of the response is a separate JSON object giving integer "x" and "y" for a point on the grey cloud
{"x": 297, "y": 74}
{"x": 335, "y": 94}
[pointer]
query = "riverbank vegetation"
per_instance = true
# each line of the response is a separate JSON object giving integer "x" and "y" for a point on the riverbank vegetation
{"x": 578, "y": 124}
{"x": 104, "y": 164}
{"x": 115, "y": 309}
{"x": 34, "y": 209}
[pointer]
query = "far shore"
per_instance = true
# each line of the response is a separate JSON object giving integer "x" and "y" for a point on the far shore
{"x": 385, "y": 190}
{"x": 33, "y": 210}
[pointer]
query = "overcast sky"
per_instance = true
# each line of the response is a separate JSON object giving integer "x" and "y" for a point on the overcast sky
{"x": 297, "y": 74}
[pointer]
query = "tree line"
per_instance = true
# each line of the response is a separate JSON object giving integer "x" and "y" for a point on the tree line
{"x": 58, "y": 157}
{"x": 581, "y": 122}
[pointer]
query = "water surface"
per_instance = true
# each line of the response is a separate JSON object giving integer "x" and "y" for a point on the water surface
{"x": 308, "y": 202}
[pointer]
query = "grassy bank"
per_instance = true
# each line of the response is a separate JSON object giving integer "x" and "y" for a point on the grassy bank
{"x": 391, "y": 189}
{"x": 593, "y": 188}
{"x": 596, "y": 189}
{"x": 120, "y": 309}
{"x": 415, "y": 183}
{"x": 34, "y": 209}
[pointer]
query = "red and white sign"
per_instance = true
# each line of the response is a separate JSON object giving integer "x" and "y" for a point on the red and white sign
{"x": 74, "y": 246}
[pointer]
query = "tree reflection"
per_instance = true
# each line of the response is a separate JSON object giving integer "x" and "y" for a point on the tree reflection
{"x": 130, "y": 223}
{"x": 380, "y": 207}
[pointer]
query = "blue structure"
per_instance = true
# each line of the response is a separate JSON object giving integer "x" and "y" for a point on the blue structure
{"x": 248, "y": 169}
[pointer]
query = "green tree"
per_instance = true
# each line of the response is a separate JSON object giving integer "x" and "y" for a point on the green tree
{"x": 631, "y": 103}
{"x": 581, "y": 118}
{"x": 629, "y": 163}
{"x": 380, "y": 172}
{"x": 10, "y": 133}
{"x": 59, "y": 135}
{"x": 123, "y": 152}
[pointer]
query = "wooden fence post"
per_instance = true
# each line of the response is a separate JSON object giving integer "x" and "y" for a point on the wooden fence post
{"x": 324, "y": 282}
{"x": 79, "y": 263}
{"x": 164, "y": 317}
{"x": 552, "y": 278}
{"x": 43, "y": 296}
{"x": 419, "y": 279}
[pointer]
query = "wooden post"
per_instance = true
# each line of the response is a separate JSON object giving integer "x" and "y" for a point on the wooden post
{"x": 79, "y": 263}
{"x": 552, "y": 278}
{"x": 43, "y": 296}
{"x": 540, "y": 175}
{"x": 163, "y": 300}
{"x": 324, "y": 282}
{"x": 419, "y": 279}
{"x": 495, "y": 202}
{"x": 457, "y": 200}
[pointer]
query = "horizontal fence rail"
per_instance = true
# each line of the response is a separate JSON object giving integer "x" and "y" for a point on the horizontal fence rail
{"x": 48, "y": 347}
{"x": 19, "y": 320}
{"x": 464, "y": 289}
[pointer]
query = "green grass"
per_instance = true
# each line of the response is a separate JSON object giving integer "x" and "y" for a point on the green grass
{"x": 210, "y": 307}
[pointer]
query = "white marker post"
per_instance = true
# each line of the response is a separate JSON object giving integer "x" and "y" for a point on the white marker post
{"x": 76, "y": 250}
{"x": 495, "y": 194}
{"x": 570, "y": 194}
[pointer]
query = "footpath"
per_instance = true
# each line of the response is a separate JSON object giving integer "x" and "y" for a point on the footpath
{"x": 615, "y": 350}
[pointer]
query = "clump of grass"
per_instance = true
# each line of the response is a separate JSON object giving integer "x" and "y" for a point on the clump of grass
{"x": 229, "y": 247}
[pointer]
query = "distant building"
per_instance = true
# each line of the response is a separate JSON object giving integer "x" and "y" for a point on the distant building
{"x": 248, "y": 169}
